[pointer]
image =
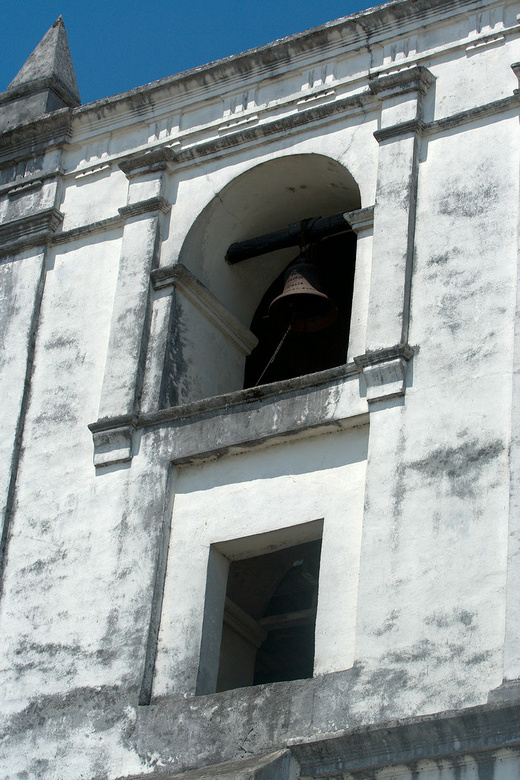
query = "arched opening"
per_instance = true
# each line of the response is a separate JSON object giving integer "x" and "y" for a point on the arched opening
{"x": 204, "y": 360}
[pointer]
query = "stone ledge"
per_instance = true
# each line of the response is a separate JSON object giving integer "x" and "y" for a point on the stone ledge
{"x": 145, "y": 207}
{"x": 473, "y": 114}
{"x": 451, "y": 733}
{"x": 238, "y": 420}
{"x": 27, "y": 139}
{"x": 273, "y": 766}
{"x": 86, "y": 230}
{"x": 114, "y": 445}
{"x": 33, "y": 230}
{"x": 384, "y": 371}
{"x": 300, "y": 715}
{"x": 361, "y": 220}
{"x": 413, "y": 127}
{"x": 411, "y": 79}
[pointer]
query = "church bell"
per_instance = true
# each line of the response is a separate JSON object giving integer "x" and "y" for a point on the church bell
{"x": 303, "y": 305}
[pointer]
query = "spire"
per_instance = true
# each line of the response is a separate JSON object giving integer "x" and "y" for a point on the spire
{"x": 49, "y": 67}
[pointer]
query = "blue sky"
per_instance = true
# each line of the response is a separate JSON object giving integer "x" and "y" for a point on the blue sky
{"x": 120, "y": 44}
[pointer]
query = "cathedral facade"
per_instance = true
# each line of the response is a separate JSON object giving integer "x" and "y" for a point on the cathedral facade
{"x": 260, "y": 365}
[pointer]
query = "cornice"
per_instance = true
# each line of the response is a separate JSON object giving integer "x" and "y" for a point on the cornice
{"x": 37, "y": 85}
{"x": 350, "y": 105}
{"x": 404, "y": 351}
{"x": 413, "y": 127}
{"x": 145, "y": 207}
{"x": 417, "y": 78}
{"x": 76, "y": 233}
{"x": 447, "y": 734}
{"x": 166, "y": 158}
{"x": 365, "y": 27}
{"x": 512, "y": 102}
{"x": 29, "y": 181}
{"x": 33, "y": 230}
{"x": 28, "y": 139}
{"x": 361, "y": 219}
{"x": 152, "y": 161}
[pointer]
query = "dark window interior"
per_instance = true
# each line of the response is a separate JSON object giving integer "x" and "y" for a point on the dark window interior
{"x": 268, "y": 629}
{"x": 304, "y": 353}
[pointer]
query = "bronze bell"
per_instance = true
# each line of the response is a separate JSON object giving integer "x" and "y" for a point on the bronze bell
{"x": 303, "y": 305}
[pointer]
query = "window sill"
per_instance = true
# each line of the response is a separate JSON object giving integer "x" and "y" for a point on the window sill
{"x": 306, "y": 405}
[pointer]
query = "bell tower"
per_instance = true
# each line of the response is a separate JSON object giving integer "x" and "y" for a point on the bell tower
{"x": 259, "y": 434}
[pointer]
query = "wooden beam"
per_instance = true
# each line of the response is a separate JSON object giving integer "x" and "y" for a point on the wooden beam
{"x": 314, "y": 230}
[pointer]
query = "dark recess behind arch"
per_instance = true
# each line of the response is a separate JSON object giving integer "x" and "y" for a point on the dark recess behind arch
{"x": 305, "y": 353}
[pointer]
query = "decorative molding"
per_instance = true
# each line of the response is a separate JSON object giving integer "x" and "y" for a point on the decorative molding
{"x": 229, "y": 126}
{"x": 179, "y": 276}
{"x": 384, "y": 371}
{"x": 448, "y": 734}
{"x": 316, "y": 97}
{"x": 350, "y": 105}
{"x": 38, "y": 85}
{"x": 24, "y": 186}
{"x": 92, "y": 170}
{"x": 474, "y": 114}
{"x": 110, "y": 423}
{"x": 33, "y": 230}
{"x": 31, "y": 138}
{"x": 155, "y": 160}
{"x": 20, "y": 181}
{"x": 145, "y": 207}
{"x": 112, "y": 445}
{"x": 412, "y": 79}
{"x": 164, "y": 157}
{"x": 361, "y": 220}
{"x": 412, "y": 127}
{"x": 493, "y": 40}
{"x": 111, "y": 433}
{"x": 86, "y": 230}
{"x": 333, "y": 39}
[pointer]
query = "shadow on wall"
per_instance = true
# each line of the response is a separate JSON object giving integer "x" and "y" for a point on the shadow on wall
{"x": 206, "y": 360}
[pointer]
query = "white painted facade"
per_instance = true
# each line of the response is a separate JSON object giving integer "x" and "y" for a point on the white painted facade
{"x": 134, "y": 466}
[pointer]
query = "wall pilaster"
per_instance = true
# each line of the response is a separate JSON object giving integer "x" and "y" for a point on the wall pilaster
{"x": 130, "y": 326}
{"x": 401, "y": 96}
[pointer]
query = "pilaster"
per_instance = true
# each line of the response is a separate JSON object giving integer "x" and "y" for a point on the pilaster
{"x": 30, "y": 163}
{"x": 129, "y": 333}
{"x": 394, "y": 214}
{"x": 362, "y": 223}
{"x": 387, "y": 353}
{"x": 511, "y": 670}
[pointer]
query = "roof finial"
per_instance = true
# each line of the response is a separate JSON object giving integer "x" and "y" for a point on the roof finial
{"x": 49, "y": 66}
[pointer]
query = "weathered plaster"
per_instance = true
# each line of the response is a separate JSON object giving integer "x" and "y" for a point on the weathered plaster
{"x": 121, "y": 315}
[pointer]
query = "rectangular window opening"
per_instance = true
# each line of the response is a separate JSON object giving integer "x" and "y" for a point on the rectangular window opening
{"x": 269, "y": 617}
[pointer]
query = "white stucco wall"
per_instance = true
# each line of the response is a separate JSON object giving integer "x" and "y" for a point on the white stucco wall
{"x": 106, "y": 569}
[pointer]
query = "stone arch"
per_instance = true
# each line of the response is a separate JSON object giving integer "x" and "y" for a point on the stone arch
{"x": 265, "y": 198}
